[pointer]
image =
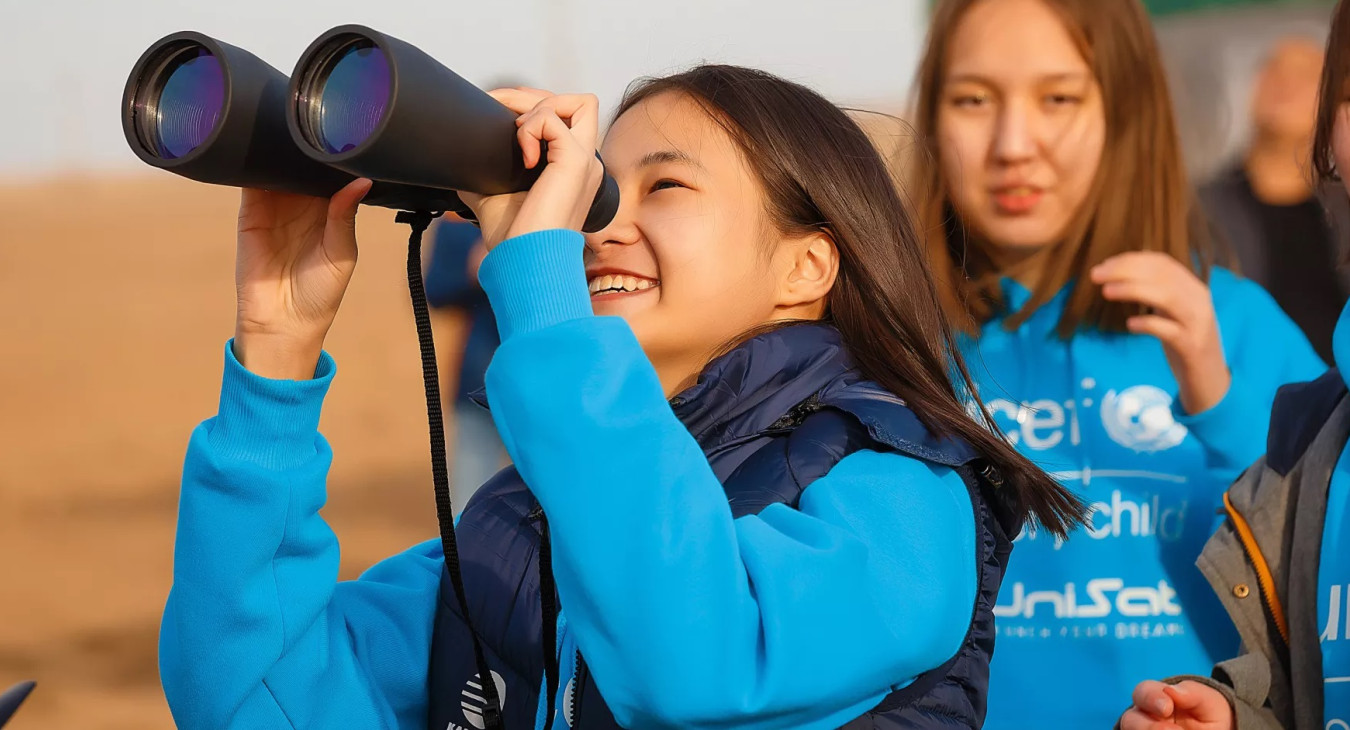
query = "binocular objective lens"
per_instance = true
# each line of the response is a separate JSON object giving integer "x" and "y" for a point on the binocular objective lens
{"x": 353, "y": 97}
{"x": 189, "y": 103}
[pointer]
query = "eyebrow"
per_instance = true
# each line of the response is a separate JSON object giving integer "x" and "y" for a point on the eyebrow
{"x": 1048, "y": 78}
{"x": 664, "y": 156}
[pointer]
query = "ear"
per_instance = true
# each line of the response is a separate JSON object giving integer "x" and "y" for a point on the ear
{"x": 810, "y": 265}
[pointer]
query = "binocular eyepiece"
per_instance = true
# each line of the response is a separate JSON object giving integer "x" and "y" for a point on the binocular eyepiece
{"x": 359, "y": 104}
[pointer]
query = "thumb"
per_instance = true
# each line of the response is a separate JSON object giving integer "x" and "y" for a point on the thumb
{"x": 339, "y": 231}
{"x": 342, "y": 206}
{"x": 1152, "y": 698}
{"x": 1201, "y": 702}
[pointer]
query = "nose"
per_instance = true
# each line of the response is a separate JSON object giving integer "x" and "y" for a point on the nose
{"x": 1014, "y": 135}
{"x": 622, "y": 230}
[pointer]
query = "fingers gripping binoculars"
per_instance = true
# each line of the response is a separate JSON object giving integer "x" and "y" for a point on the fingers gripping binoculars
{"x": 359, "y": 104}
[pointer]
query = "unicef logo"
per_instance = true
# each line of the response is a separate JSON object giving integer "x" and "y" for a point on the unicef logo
{"x": 1140, "y": 418}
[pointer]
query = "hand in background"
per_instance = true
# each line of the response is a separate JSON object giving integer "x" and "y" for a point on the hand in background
{"x": 1185, "y": 706}
{"x": 1182, "y": 317}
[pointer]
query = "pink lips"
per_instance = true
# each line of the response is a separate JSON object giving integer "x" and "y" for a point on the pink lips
{"x": 1018, "y": 200}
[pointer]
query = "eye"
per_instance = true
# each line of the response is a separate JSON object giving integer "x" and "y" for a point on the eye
{"x": 1056, "y": 100}
{"x": 970, "y": 101}
{"x": 666, "y": 184}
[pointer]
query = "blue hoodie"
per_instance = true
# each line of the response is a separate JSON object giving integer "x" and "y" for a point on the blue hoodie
{"x": 1333, "y": 574}
{"x": 258, "y": 632}
{"x": 1121, "y": 601}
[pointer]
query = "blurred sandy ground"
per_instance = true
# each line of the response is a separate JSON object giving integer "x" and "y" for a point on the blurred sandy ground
{"x": 116, "y": 299}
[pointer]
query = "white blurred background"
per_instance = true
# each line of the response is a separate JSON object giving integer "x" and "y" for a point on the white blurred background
{"x": 67, "y": 60}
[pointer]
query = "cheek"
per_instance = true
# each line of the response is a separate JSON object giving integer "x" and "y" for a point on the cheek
{"x": 715, "y": 281}
{"x": 1078, "y": 157}
{"x": 715, "y": 288}
{"x": 962, "y": 148}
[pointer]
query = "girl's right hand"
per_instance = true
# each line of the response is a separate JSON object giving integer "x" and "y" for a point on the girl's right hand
{"x": 1185, "y": 706}
{"x": 294, "y": 259}
{"x": 562, "y": 195}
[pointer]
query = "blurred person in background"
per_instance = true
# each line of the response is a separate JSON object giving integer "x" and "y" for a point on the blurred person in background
{"x": 743, "y": 452}
{"x": 1283, "y": 228}
{"x": 461, "y": 312}
{"x": 1281, "y": 561}
{"x": 1061, "y": 226}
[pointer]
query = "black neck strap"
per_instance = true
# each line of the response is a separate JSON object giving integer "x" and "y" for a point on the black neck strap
{"x": 445, "y": 514}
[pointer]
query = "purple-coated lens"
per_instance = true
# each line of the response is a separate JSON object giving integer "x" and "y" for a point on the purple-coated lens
{"x": 189, "y": 105}
{"x": 354, "y": 98}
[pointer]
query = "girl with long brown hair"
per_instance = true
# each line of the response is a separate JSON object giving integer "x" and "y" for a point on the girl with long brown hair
{"x": 804, "y": 529}
{"x": 1102, "y": 337}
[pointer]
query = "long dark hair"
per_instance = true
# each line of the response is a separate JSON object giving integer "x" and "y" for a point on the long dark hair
{"x": 1335, "y": 74}
{"x": 820, "y": 172}
{"x": 1139, "y": 201}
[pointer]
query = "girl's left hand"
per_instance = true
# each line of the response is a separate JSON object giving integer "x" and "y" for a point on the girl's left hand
{"x": 562, "y": 195}
{"x": 1182, "y": 317}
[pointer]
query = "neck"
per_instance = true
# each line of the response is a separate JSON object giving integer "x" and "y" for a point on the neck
{"x": 1277, "y": 169}
{"x": 677, "y": 374}
{"x": 1026, "y": 266}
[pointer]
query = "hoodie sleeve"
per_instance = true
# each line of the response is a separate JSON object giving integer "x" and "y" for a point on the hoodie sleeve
{"x": 1265, "y": 350}
{"x": 257, "y": 631}
{"x": 791, "y": 618}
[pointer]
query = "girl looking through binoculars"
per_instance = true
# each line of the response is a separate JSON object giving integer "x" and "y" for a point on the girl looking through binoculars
{"x": 741, "y": 444}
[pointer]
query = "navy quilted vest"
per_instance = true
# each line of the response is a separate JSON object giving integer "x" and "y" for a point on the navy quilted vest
{"x": 772, "y": 416}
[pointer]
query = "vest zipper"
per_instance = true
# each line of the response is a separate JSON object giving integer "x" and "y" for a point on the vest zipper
{"x": 578, "y": 686}
{"x": 549, "y": 609}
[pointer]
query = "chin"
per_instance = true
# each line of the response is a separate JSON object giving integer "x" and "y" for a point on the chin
{"x": 1020, "y": 239}
{"x": 1019, "y": 234}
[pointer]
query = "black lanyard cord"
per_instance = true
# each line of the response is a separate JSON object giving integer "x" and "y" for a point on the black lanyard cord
{"x": 445, "y": 514}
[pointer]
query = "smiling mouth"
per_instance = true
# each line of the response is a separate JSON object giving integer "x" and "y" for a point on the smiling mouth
{"x": 609, "y": 285}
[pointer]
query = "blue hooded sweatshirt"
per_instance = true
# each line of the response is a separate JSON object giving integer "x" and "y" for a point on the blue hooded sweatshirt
{"x": 815, "y": 613}
{"x": 1121, "y": 600}
{"x": 1333, "y": 574}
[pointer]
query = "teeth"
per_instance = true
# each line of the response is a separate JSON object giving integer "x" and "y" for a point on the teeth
{"x": 622, "y": 283}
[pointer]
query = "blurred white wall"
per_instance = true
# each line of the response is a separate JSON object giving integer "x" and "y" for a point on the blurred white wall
{"x": 63, "y": 62}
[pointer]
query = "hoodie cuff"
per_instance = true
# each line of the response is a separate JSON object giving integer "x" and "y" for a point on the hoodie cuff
{"x": 535, "y": 281}
{"x": 271, "y": 423}
{"x": 1225, "y": 429}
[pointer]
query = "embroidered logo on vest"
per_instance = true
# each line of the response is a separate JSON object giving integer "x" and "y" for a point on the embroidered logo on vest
{"x": 473, "y": 702}
{"x": 569, "y": 702}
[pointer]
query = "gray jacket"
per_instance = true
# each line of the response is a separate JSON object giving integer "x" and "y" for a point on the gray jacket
{"x": 1263, "y": 562}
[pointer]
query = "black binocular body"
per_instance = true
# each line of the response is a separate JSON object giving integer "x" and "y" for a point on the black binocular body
{"x": 359, "y": 104}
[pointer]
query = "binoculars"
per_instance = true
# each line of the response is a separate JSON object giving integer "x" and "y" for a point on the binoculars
{"x": 359, "y": 104}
